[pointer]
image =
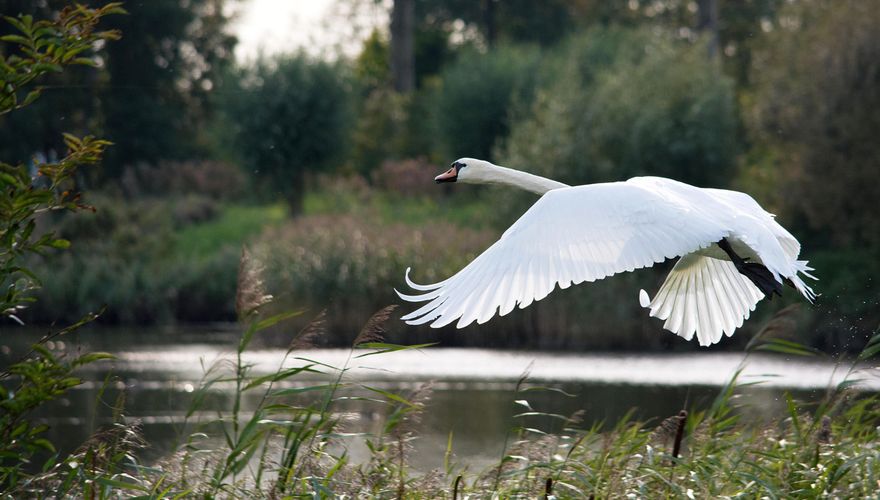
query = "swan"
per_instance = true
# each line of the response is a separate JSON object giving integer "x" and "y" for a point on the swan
{"x": 732, "y": 252}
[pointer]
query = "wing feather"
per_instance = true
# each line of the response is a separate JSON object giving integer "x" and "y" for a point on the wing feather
{"x": 705, "y": 297}
{"x": 570, "y": 235}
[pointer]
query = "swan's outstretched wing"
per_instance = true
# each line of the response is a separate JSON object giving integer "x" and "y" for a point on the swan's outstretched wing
{"x": 570, "y": 235}
{"x": 703, "y": 296}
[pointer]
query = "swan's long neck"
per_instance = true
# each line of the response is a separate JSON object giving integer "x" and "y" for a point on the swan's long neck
{"x": 522, "y": 180}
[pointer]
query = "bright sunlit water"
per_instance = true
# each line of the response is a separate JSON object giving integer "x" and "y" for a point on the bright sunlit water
{"x": 472, "y": 392}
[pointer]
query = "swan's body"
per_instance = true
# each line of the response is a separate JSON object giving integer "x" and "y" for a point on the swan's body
{"x": 732, "y": 252}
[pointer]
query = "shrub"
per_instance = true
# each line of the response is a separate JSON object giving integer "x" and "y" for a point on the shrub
{"x": 636, "y": 103}
{"x": 474, "y": 103}
{"x": 293, "y": 116}
{"x": 215, "y": 179}
{"x": 410, "y": 177}
{"x": 152, "y": 260}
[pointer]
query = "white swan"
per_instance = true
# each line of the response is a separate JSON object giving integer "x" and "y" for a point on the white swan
{"x": 733, "y": 253}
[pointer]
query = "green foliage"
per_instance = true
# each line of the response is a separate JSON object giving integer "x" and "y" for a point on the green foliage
{"x": 294, "y": 443}
{"x": 371, "y": 68}
{"x": 157, "y": 91}
{"x": 293, "y": 117}
{"x": 20, "y": 204}
{"x": 40, "y": 377}
{"x": 382, "y": 130}
{"x": 30, "y": 383}
{"x": 152, "y": 260}
{"x": 512, "y": 21}
{"x": 474, "y": 104}
{"x": 817, "y": 89}
{"x": 40, "y": 47}
{"x": 624, "y": 103}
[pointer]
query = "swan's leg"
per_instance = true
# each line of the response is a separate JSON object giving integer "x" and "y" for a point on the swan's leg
{"x": 756, "y": 273}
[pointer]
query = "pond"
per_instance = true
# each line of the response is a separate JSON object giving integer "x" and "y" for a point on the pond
{"x": 472, "y": 393}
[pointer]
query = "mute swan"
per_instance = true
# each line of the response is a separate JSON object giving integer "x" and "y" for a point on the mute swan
{"x": 733, "y": 253}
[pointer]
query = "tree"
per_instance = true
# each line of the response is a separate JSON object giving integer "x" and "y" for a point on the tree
{"x": 32, "y": 49}
{"x": 160, "y": 77}
{"x": 817, "y": 96}
{"x": 403, "y": 73}
{"x": 609, "y": 110}
{"x": 707, "y": 20}
{"x": 292, "y": 116}
{"x": 152, "y": 94}
{"x": 473, "y": 107}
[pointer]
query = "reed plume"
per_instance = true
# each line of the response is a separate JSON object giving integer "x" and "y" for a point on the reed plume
{"x": 250, "y": 293}
{"x": 306, "y": 338}
{"x": 374, "y": 328}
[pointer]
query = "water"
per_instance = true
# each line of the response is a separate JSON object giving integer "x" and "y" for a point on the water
{"x": 472, "y": 390}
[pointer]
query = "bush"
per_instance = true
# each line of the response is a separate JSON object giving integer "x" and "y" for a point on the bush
{"x": 351, "y": 262}
{"x": 626, "y": 103}
{"x": 410, "y": 177}
{"x": 383, "y": 130}
{"x": 293, "y": 116}
{"x": 816, "y": 100}
{"x": 215, "y": 179}
{"x": 473, "y": 106}
{"x": 151, "y": 260}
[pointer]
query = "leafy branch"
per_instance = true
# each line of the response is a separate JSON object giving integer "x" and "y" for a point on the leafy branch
{"x": 44, "y": 46}
{"x": 35, "y": 49}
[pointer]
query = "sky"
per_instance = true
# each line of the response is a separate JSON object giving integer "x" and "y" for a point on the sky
{"x": 323, "y": 28}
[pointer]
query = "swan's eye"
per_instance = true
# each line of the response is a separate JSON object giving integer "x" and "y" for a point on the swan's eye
{"x": 458, "y": 166}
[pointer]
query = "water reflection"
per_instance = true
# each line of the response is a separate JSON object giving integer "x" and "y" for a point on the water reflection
{"x": 472, "y": 396}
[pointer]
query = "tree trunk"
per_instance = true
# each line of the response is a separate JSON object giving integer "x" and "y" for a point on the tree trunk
{"x": 295, "y": 192}
{"x": 403, "y": 71}
{"x": 489, "y": 21}
{"x": 707, "y": 20}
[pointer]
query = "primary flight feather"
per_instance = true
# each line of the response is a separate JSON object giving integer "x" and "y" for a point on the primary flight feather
{"x": 733, "y": 253}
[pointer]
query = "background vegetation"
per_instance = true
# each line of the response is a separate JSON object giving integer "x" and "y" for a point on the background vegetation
{"x": 321, "y": 169}
{"x": 323, "y": 164}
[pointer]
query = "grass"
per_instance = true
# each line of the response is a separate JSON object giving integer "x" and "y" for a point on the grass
{"x": 234, "y": 226}
{"x": 387, "y": 207}
{"x": 292, "y": 444}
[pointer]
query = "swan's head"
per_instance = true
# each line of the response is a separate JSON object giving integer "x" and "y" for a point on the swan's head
{"x": 467, "y": 170}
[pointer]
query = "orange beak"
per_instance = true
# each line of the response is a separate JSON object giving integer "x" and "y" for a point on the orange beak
{"x": 448, "y": 176}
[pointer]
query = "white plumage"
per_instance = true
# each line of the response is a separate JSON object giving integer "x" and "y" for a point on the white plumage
{"x": 586, "y": 233}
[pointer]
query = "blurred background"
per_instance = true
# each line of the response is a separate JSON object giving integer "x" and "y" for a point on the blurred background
{"x": 311, "y": 130}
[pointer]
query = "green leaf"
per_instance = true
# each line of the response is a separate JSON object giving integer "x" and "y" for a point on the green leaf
{"x": 91, "y": 358}
{"x": 60, "y": 244}
{"x": 85, "y": 61}
{"x": 31, "y": 97}
{"x": 383, "y": 348}
{"x": 850, "y": 382}
{"x": 787, "y": 347}
{"x": 45, "y": 444}
{"x": 548, "y": 389}
{"x": 297, "y": 390}
{"x": 284, "y": 374}
{"x": 46, "y": 68}
{"x": 113, "y": 483}
{"x": 274, "y": 320}
{"x": 15, "y": 39}
{"x": 390, "y": 395}
{"x": 871, "y": 348}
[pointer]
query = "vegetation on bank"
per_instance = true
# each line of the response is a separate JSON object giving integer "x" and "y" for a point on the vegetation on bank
{"x": 208, "y": 152}
{"x": 291, "y": 440}
{"x": 291, "y": 443}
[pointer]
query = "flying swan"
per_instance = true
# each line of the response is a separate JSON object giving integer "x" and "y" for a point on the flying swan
{"x": 733, "y": 253}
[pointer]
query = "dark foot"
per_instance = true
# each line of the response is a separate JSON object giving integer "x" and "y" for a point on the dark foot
{"x": 756, "y": 273}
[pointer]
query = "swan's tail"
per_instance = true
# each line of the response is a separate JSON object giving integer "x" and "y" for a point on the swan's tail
{"x": 703, "y": 296}
{"x": 802, "y": 267}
